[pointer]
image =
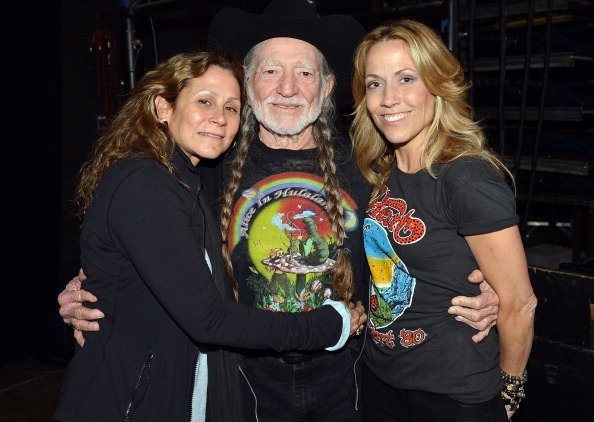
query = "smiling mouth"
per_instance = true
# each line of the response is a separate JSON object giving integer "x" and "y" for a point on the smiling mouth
{"x": 211, "y": 135}
{"x": 390, "y": 118}
{"x": 286, "y": 106}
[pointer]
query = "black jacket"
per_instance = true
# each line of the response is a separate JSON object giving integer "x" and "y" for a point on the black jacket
{"x": 142, "y": 247}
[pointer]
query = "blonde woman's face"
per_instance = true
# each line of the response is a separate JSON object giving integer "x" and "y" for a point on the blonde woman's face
{"x": 205, "y": 117}
{"x": 397, "y": 99}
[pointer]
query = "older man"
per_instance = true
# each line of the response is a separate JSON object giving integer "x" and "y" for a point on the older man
{"x": 293, "y": 203}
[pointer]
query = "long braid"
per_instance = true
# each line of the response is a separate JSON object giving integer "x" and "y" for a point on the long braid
{"x": 323, "y": 131}
{"x": 248, "y": 134}
{"x": 241, "y": 156}
{"x": 341, "y": 274}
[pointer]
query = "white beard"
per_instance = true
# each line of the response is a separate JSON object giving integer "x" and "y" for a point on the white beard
{"x": 281, "y": 126}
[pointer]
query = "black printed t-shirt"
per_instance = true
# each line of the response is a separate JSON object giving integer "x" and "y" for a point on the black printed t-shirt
{"x": 419, "y": 260}
{"x": 280, "y": 234}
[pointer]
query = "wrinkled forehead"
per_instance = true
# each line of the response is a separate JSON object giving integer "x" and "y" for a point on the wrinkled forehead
{"x": 288, "y": 51}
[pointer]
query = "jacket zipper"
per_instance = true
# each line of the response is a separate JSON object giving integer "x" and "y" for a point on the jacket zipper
{"x": 146, "y": 366}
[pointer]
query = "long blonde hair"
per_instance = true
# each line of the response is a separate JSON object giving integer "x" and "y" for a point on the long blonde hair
{"x": 453, "y": 133}
{"x": 136, "y": 130}
{"x": 323, "y": 131}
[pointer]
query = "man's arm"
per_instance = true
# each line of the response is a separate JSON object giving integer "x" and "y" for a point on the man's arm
{"x": 73, "y": 311}
{"x": 479, "y": 312}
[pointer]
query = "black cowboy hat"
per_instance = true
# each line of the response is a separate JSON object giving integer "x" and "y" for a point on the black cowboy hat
{"x": 336, "y": 36}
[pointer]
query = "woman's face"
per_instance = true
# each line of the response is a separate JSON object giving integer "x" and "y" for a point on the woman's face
{"x": 205, "y": 117}
{"x": 399, "y": 103}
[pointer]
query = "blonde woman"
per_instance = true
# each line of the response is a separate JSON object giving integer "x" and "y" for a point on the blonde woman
{"x": 440, "y": 207}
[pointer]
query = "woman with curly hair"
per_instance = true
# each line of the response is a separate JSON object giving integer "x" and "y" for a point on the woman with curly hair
{"x": 152, "y": 253}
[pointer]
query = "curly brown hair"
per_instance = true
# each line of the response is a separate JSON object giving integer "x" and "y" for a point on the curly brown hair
{"x": 136, "y": 130}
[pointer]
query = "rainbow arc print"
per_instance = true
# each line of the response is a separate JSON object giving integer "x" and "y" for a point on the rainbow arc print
{"x": 284, "y": 222}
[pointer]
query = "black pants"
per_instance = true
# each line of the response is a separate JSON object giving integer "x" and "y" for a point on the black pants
{"x": 382, "y": 402}
{"x": 324, "y": 389}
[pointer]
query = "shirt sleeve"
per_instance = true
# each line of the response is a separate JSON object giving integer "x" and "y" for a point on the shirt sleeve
{"x": 479, "y": 199}
{"x": 150, "y": 219}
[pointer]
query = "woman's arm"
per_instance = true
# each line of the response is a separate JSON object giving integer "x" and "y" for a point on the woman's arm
{"x": 500, "y": 256}
{"x": 149, "y": 218}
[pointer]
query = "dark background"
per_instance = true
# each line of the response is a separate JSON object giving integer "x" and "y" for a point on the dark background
{"x": 31, "y": 63}
{"x": 57, "y": 91}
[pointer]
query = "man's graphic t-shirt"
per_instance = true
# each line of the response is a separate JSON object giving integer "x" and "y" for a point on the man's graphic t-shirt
{"x": 280, "y": 236}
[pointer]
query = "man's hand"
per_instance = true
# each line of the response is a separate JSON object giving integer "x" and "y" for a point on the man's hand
{"x": 479, "y": 312}
{"x": 73, "y": 312}
{"x": 358, "y": 317}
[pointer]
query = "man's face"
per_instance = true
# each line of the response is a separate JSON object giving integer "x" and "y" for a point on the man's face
{"x": 286, "y": 90}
